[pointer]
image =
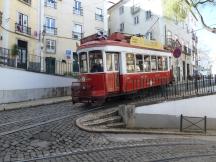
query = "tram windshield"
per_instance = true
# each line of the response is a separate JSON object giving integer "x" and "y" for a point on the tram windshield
{"x": 83, "y": 62}
{"x": 96, "y": 61}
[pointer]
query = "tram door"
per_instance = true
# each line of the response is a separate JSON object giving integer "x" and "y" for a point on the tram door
{"x": 112, "y": 65}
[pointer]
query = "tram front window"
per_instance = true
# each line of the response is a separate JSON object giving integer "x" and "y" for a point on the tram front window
{"x": 96, "y": 61}
{"x": 83, "y": 62}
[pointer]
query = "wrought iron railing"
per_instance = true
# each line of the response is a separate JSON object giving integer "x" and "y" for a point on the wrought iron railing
{"x": 77, "y": 35}
{"x": 78, "y": 11}
{"x": 22, "y": 29}
{"x": 99, "y": 17}
{"x": 50, "y": 30}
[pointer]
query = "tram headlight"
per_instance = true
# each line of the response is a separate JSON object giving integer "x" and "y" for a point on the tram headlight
{"x": 83, "y": 79}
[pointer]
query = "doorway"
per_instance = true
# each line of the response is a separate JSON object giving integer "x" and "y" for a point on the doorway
{"x": 22, "y": 54}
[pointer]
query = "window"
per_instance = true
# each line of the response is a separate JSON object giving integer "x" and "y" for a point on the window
{"x": 153, "y": 63}
{"x": 136, "y": 20}
{"x": 77, "y": 9}
{"x": 1, "y": 13}
{"x": 121, "y": 27}
{"x": 112, "y": 61}
{"x": 50, "y": 46}
{"x": 149, "y": 36}
{"x": 99, "y": 14}
{"x": 96, "y": 61}
{"x": 50, "y": 26}
{"x": 139, "y": 63}
{"x": 50, "y": 3}
{"x": 165, "y": 63}
{"x": 22, "y": 24}
{"x": 77, "y": 32}
{"x": 109, "y": 62}
{"x": 160, "y": 63}
{"x": 26, "y": 1}
{"x": 147, "y": 64}
{"x": 148, "y": 15}
{"x": 83, "y": 62}
{"x": 121, "y": 10}
{"x": 130, "y": 61}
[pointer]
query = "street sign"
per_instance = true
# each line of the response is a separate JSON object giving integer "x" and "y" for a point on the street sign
{"x": 177, "y": 52}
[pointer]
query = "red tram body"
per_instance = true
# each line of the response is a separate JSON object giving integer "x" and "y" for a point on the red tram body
{"x": 114, "y": 67}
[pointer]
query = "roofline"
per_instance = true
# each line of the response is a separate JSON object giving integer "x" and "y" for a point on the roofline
{"x": 120, "y": 1}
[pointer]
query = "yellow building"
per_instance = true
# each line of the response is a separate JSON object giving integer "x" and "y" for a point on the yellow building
{"x": 20, "y": 26}
{"x": 47, "y": 32}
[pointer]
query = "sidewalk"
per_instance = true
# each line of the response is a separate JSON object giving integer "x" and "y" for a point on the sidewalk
{"x": 39, "y": 102}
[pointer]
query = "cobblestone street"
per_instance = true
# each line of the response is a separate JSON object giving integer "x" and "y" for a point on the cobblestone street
{"x": 24, "y": 138}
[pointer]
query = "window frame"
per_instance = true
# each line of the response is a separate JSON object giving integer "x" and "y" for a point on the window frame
{"x": 132, "y": 65}
{"x": 50, "y": 50}
{"x": 81, "y": 62}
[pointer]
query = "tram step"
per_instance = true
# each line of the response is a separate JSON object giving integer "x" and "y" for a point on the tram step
{"x": 103, "y": 121}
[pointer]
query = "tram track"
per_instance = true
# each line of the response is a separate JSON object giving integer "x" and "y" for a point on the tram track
{"x": 44, "y": 122}
{"x": 121, "y": 147}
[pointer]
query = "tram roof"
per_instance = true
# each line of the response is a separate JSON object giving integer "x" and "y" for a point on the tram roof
{"x": 103, "y": 43}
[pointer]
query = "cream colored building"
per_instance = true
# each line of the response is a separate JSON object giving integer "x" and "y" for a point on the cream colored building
{"x": 20, "y": 23}
{"x": 65, "y": 22}
{"x": 48, "y": 32}
{"x": 146, "y": 17}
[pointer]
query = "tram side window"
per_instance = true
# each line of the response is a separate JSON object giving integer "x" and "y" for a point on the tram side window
{"x": 109, "y": 62}
{"x": 116, "y": 61}
{"x": 130, "y": 62}
{"x": 147, "y": 64}
{"x": 95, "y": 61}
{"x": 139, "y": 63}
{"x": 165, "y": 63}
{"x": 160, "y": 63}
{"x": 153, "y": 63}
{"x": 83, "y": 62}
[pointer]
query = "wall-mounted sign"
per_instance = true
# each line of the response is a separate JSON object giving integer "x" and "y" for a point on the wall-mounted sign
{"x": 141, "y": 42}
{"x": 68, "y": 54}
{"x": 177, "y": 52}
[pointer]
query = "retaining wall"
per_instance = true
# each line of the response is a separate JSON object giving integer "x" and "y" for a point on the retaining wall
{"x": 18, "y": 85}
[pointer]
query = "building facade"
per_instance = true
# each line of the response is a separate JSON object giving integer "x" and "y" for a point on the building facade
{"x": 47, "y": 32}
{"x": 17, "y": 32}
{"x": 66, "y": 22}
{"x": 147, "y": 18}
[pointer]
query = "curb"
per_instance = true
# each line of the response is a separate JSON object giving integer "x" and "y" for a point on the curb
{"x": 137, "y": 131}
{"x": 40, "y": 102}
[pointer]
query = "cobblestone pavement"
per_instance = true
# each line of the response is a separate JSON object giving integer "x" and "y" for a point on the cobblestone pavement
{"x": 61, "y": 140}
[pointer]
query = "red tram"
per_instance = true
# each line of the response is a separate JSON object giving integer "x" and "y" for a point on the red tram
{"x": 113, "y": 66}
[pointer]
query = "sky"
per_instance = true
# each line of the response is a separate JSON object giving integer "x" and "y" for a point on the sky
{"x": 206, "y": 39}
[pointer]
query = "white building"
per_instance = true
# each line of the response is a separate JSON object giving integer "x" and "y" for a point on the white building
{"x": 146, "y": 17}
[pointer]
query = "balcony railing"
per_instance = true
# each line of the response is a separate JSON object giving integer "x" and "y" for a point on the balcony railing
{"x": 50, "y": 4}
{"x": 77, "y": 35}
{"x": 22, "y": 29}
{"x": 170, "y": 43}
{"x": 78, "y": 11}
{"x": 28, "y": 2}
{"x": 99, "y": 17}
{"x": 50, "y": 30}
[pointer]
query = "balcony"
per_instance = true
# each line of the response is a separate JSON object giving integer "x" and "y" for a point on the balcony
{"x": 50, "y": 30}
{"x": 77, "y": 35}
{"x": 135, "y": 9}
{"x": 28, "y": 2}
{"x": 169, "y": 43}
{"x": 22, "y": 29}
{"x": 50, "y": 4}
{"x": 99, "y": 17}
{"x": 78, "y": 11}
